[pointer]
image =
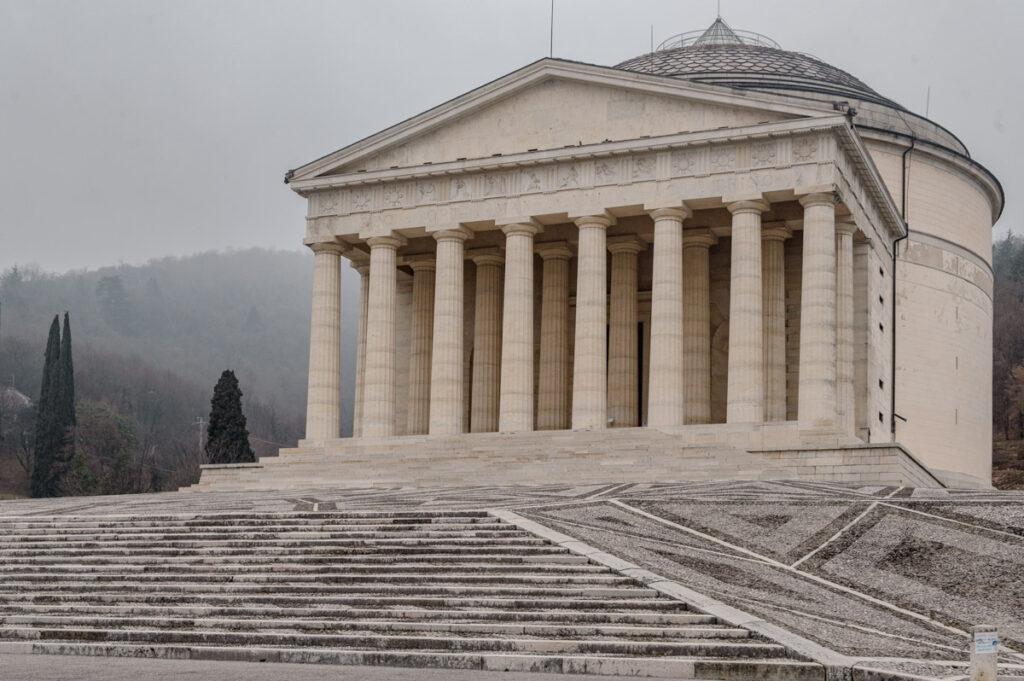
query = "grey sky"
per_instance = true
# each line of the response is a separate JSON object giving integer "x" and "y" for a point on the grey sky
{"x": 131, "y": 130}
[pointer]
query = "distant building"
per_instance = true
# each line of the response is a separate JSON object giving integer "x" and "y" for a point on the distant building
{"x": 696, "y": 245}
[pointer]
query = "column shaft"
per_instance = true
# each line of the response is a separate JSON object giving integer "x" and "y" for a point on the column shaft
{"x": 516, "y": 390}
{"x": 697, "y": 326}
{"x": 589, "y": 377}
{"x": 817, "y": 397}
{"x": 623, "y": 371}
{"x": 553, "y": 382}
{"x": 363, "y": 269}
{"x": 421, "y": 343}
{"x": 774, "y": 278}
{"x": 665, "y": 394}
{"x": 845, "y": 393}
{"x": 323, "y": 402}
{"x": 446, "y": 367}
{"x": 379, "y": 382}
{"x": 486, "y": 342}
{"x": 745, "y": 397}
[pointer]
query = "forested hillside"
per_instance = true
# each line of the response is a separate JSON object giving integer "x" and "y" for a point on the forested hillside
{"x": 1008, "y": 363}
{"x": 150, "y": 343}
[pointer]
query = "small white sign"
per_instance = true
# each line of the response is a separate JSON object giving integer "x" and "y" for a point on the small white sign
{"x": 986, "y": 642}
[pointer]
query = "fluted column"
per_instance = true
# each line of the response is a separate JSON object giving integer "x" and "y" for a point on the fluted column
{"x": 379, "y": 381}
{"x": 363, "y": 268}
{"x": 745, "y": 397}
{"x": 817, "y": 397}
{"x": 665, "y": 391}
{"x": 589, "y": 376}
{"x": 623, "y": 372}
{"x": 323, "y": 401}
{"x": 421, "y": 342}
{"x": 697, "y": 325}
{"x": 845, "y": 400}
{"x": 516, "y": 391}
{"x": 773, "y": 272}
{"x": 553, "y": 382}
{"x": 486, "y": 340}
{"x": 446, "y": 366}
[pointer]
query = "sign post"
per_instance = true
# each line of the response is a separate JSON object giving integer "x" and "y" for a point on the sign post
{"x": 984, "y": 652}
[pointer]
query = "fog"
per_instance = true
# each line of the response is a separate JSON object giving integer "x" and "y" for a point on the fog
{"x": 131, "y": 130}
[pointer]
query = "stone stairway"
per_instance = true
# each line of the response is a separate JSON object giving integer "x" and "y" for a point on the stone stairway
{"x": 601, "y": 456}
{"x": 457, "y": 589}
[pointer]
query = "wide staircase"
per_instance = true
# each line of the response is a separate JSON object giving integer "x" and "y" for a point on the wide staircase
{"x": 538, "y": 457}
{"x": 457, "y": 589}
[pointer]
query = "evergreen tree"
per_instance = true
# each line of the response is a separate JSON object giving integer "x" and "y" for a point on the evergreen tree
{"x": 48, "y": 432}
{"x": 67, "y": 378}
{"x": 227, "y": 438}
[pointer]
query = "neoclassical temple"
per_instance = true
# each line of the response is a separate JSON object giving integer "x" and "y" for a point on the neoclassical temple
{"x": 722, "y": 255}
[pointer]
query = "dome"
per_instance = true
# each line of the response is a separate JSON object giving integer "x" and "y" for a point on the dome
{"x": 722, "y": 55}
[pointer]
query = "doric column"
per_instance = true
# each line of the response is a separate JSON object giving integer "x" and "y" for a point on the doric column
{"x": 516, "y": 391}
{"x": 697, "y": 325}
{"x": 773, "y": 269}
{"x": 553, "y": 383}
{"x": 323, "y": 401}
{"x": 746, "y": 335}
{"x": 623, "y": 372}
{"x": 589, "y": 376}
{"x": 665, "y": 392}
{"x": 446, "y": 366}
{"x": 845, "y": 400}
{"x": 379, "y": 381}
{"x": 486, "y": 340}
{"x": 817, "y": 396}
{"x": 363, "y": 268}
{"x": 421, "y": 341}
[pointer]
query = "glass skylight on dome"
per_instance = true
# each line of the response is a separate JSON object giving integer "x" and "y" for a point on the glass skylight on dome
{"x": 719, "y": 33}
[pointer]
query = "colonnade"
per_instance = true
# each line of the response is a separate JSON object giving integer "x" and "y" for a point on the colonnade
{"x": 605, "y": 379}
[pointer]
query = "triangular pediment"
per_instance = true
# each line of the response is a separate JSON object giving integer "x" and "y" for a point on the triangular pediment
{"x": 552, "y": 105}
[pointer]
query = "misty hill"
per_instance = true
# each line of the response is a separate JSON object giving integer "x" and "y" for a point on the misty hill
{"x": 192, "y": 317}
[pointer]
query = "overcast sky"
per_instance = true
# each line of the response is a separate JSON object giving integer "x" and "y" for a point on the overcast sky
{"x": 131, "y": 130}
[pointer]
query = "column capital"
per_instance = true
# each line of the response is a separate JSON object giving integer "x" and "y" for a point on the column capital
{"x": 421, "y": 262}
{"x": 528, "y": 228}
{"x": 455, "y": 234}
{"x": 677, "y": 212}
{"x": 776, "y": 233}
{"x": 845, "y": 226}
{"x": 817, "y": 196}
{"x": 392, "y": 241}
{"x": 628, "y": 243}
{"x": 361, "y": 266}
{"x": 553, "y": 250}
{"x": 598, "y": 221}
{"x": 698, "y": 238}
{"x": 748, "y": 206}
{"x": 486, "y": 256}
{"x": 327, "y": 246}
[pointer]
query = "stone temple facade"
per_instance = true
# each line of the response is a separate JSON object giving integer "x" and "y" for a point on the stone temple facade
{"x": 717, "y": 259}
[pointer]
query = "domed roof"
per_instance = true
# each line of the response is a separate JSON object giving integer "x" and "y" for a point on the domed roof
{"x": 722, "y": 55}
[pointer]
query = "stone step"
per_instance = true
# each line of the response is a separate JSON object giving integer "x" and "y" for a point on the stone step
{"x": 286, "y": 579}
{"x": 333, "y": 615}
{"x": 380, "y": 641}
{"x": 561, "y": 630}
{"x": 347, "y": 518}
{"x": 210, "y": 557}
{"x": 354, "y": 570}
{"x": 246, "y": 548}
{"x": 14, "y": 538}
{"x": 245, "y": 589}
{"x": 373, "y": 544}
{"x": 381, "y": 601}
{"x": 709, "y": 669}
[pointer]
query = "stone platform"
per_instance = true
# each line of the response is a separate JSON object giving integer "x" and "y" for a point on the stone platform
{"x": 691, "y": 453}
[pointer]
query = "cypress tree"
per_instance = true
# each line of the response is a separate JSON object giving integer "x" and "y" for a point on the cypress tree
{"x": 48, "y": 427}
{"x": 67, "y": 378}
{"x": 227, "y": 438}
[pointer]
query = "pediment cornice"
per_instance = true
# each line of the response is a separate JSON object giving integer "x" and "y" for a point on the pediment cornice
{"x": 540, "y": 71}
